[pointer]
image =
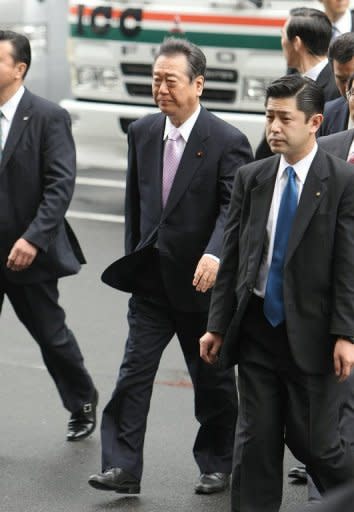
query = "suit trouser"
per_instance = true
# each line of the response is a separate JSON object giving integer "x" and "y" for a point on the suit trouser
{"x": 36, "y": 305}
{"x": 278, "y": 403}
{"x": 152, "y": 324}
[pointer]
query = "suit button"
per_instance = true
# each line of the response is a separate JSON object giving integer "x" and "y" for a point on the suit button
{"x": 250, "y": 288}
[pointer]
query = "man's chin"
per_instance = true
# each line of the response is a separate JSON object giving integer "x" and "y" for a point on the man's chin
{"x": 276, "y": 147}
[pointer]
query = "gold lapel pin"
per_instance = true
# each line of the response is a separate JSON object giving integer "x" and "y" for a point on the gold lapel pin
{"x": 318, "y": 194}
{"x": 199, "y": 153}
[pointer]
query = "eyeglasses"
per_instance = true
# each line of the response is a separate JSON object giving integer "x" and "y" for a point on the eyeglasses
{"x": 349, "y": 94}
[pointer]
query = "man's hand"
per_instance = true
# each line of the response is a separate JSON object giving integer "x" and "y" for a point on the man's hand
{"x": 343, "y": 358}
{"x": 210, "y": 345}
{"x": 21, "y": 255}
{"x": 205, "y": 273}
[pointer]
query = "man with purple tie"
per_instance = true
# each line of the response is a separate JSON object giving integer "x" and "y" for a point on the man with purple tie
{"x": 181, "y": 166}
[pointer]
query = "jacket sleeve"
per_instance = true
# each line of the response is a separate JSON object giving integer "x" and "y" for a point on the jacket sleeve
{"x": 236, "y": 153}
{"x": 58, "y": 172}
{"x": 342, "y": 319}
{"x": 132, "y": 198}
{"x": 223, "y": 298}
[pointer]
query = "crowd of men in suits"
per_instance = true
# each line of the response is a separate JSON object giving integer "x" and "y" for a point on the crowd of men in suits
{"x": 246, "y": 262}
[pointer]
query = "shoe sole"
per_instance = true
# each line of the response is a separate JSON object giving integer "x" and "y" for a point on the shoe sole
{"x": 299, "y": 478}
{"x": 82, "y": 437}
{"x": 208, "y": 490}
{"x": 124, "y": 489}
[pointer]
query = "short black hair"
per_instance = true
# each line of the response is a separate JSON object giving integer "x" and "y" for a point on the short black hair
{"x": 341, "y": 48}
{"x": 312, "y": 26}
{"x": 309, "y": 96}
{"x": 194, "y": 55}
{"x": 21, "y": 49}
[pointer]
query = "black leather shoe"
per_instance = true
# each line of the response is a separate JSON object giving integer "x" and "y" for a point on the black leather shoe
{"x": 212, "y": 482}
{"x": 82, "y": 423}
{"x": 298, "y": 473}
{"x": 115, "y": 479}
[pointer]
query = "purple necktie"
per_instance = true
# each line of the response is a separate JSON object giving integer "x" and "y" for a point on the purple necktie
{"x": 171, "y": 158}
{"x": 351, "y": 158}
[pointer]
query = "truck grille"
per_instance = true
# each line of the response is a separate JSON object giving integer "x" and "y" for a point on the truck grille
{"x": 221, "y": 75}
{"x": 215, "y": 95}
{"x": 213, "y": 74}
{"x": 132, "y": 68}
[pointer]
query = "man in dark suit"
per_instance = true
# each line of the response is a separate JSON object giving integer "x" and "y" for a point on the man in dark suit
{"x": 340, "y": 144}
{"x": 336, "y": 112}
{"x": 305, "y": 39}
{"x": 339, "y": 14}
{"x": 37, "y": 246}
{"x": 174, "y": 230}
{"x": 282, "y": 306}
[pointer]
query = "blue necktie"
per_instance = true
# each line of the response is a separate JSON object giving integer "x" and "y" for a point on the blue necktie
{"x": 273, "y": 298}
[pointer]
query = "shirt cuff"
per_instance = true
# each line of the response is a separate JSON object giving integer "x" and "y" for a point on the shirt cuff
{"x": 212, "y": 257}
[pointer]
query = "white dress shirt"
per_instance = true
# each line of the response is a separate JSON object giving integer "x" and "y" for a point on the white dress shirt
{"x": 314, "y": 72}
{"x": 301, "y": 170}
{"x": 343, "y": 24}
{"x": 9, "y": 109}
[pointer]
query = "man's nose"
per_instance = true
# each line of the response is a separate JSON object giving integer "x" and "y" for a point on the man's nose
{"x": 163, "y": 89}
{"x": 275, "y": 125}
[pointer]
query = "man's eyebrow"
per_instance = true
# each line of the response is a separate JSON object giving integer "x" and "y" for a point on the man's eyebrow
{"x": 271, "y": 110}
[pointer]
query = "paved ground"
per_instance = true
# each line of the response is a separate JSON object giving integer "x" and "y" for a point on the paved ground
{"x": 42, "y": 472}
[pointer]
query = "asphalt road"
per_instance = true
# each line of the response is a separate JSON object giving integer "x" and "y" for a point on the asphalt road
{"x": 40, "y": 471}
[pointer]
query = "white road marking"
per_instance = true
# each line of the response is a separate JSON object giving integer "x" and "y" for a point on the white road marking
{"x": 102, "y": 217}
{"x": 97, "y": 182}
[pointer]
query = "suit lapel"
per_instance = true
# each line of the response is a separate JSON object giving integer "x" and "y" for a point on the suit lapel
{"x": 193, "y": 157}
{"x": 346, "y": 143}
{"x": 324, "y": 76}
{"x": 19, "y": 123}
{"x": 261, "y": 198}
{"x": 312, "y": 194}
{"x": 153, "y": 161}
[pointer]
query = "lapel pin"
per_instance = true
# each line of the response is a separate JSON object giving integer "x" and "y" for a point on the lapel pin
{"x": 318, "y": 194}
{"x": 199, "y": 153}
{"x": 26, "y": 118}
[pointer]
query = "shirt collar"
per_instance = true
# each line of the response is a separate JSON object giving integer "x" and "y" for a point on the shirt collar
{"x": 185, "y": 128}
{"x": 344, "y": 23}
{"x": 301, "y": 167}
{"x": 9, "y": 108}
{"x": 316, "y": 70}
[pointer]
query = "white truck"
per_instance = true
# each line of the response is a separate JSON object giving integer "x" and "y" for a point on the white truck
{"x": 45, "y": 23}
{"x": 111, "y": 49}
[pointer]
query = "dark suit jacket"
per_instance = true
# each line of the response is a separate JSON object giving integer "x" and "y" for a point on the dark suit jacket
{"x": 327, "y": 82}
{"x": 37, "y": 177}
{"x": 337, "y": 144}
{"x": 335, "y": 117}
{"x": 192, "y": 222}
{"x": 319, "y": 266}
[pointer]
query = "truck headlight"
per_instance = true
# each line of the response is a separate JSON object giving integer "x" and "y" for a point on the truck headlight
{"x": 96, "y": 76}
{"x": 254, "y": 88}
{"x": 86, "y": 75}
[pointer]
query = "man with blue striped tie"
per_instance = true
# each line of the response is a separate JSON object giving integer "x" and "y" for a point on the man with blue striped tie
{"x": 282, "y": 306}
